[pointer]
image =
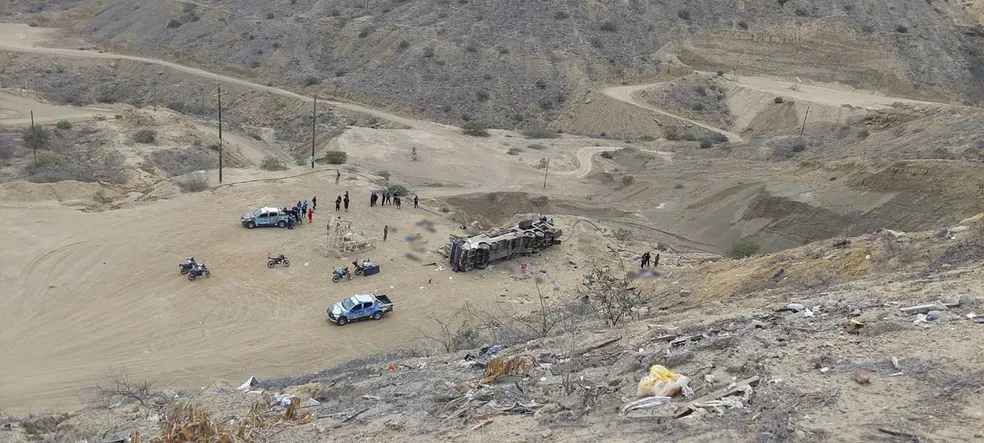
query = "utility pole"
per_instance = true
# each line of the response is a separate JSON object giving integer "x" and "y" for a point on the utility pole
{"x": 34, "y": 136}
{"x": 803, "y": 128}
{"x": 220, "y": 134}
{"x": 202, "y": 110}
{"x": 545, "y": 169}
{"x": 314, "y": 121}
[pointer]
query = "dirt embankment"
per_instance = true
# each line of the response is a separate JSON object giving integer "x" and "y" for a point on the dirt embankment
{"x": 496, "y": 208}
{"x": 695, "y": 96}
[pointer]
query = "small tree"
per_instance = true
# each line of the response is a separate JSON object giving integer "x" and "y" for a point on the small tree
{"x": 614, "y": 297}
{"x": 38, "y": 138}
{"x": 64, "y": 125}
{"x": 476, "y": 128}
{"x": 398, "y": 190}
{"x": 743, "y": 248}
{"x": 384, "y": 174}
{"x": 336, "y": 157}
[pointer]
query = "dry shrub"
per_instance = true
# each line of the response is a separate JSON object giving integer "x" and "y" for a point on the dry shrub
{"x": 84, "y": 165}
{"x": 181, "y": 161}
{"x": 271, "y": 163}
{"x": 196, "y": 182}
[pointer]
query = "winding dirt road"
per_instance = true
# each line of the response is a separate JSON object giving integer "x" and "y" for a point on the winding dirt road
{"x": 627, "y": 95}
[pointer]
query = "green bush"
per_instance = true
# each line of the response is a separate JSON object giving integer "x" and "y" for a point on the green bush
{"x": 683, "y": 14}
{"x": 176, "y": 106}
{"x": 607, "y": 154}
{"x": 608, "y": 27}
{"x": 514, "y": 151}
{"x": 173, "y": 24}
{"x": 537, "y": 133}
{"x": 743, "y": 248}
{"x": 778, "y": 100}
{"x": 64, "y": 125}
{"x": 561, "y": 15}
{"x": 145, "y": 136}
{"x": 706, "y": 144}
{"x": 901, "y": 29}
{"x": 271, "y": 163}
{"x": 336, "y": 157}
{"x": 398, "y": 190}
{"x": 476, "y": 128}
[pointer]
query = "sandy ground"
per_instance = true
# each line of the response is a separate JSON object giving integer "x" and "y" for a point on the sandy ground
{"x": 89, "y": 292}
{"x": 15, "y": 110}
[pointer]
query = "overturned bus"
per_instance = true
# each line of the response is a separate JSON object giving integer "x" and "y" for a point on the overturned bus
{"x": 479, "y": 251}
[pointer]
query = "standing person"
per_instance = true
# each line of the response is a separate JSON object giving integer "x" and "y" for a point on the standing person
{"x": 415, "y": 200}
{"x": 314, "y": 202}
{"x": 310, "y": 215}
{"x": 386, "y": 230}
{"x": 312, "y": 161}
{"x": 338, "y": 176}
{"x": 644, "y": 259}
{"x": 338, "y": 203}
{"x": 656, "y": 261}
{"x": 304, "y": 208}
{"x": 346, "y": 202}
{"x": 290, "y": 222}
{"x": 382, "y": 199}
{"x": 397, "y": 200}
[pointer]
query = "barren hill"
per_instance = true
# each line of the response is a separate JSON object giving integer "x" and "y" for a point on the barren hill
{"x": 524, "y": 64}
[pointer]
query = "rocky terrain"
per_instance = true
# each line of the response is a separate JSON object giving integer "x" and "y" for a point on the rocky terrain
{"x": 809, "y": 172}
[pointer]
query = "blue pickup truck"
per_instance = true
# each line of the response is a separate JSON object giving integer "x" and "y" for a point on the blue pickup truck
{"x": 265, "y": 217}
{"x": 360, "y": 307}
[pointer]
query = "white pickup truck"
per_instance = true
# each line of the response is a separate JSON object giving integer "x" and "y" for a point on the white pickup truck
{"x": 360, "y": 307}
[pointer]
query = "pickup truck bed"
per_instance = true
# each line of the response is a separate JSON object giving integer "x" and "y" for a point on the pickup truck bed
{"x": 385, "y": 302}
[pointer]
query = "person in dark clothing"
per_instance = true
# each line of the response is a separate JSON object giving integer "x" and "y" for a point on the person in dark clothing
{"x": 386, "y": 230}
{"x": 338, "y": 176}
{"x": 372, "y": 200}
{"x": 338, "y": 203}
{"x": 397, "y": 201}
{"x": 382, "y": 199}
{"x": 656, "y": 261}
{"x": 290, "y": 223}
{"x": 314, "y": 202}
{"x": 645, "y": 260}
{"x": 415, "y": 200}
{"x": 346, "y": 202}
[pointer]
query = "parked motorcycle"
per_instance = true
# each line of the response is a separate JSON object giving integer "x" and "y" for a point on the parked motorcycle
{"x": 360, "y": 267}
{"x": 337, "y": 275}
{"x": 187, "y": 266}
{"x": 199, "y": 271}
{"x": 280, "y": 260}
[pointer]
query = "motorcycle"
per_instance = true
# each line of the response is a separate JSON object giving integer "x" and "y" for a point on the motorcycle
{"x": 274, "y": 261}
{"x": 338, "y": 274}
{"x": 361, "y": 267}
{"x": 187, "y": 266}
{"x": 199, "y": 271}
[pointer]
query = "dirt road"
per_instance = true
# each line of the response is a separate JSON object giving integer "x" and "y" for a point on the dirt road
{"x": 627, "y": 94}
{"x": 806, "y": 93}
{"x": 15, "y": 110}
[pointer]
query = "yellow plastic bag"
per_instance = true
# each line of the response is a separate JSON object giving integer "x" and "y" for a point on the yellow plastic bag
{"x": 661, "y": 382}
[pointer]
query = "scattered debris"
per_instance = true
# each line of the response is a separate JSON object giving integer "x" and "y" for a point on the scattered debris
{"x": 647, "y": 402}
{"x": 743, "y": 386}
{"x": 661, "y": 382}
{"x": 249, "y": 384}
{"x": 498, "y": 367}
{"x": 914, "y": 438}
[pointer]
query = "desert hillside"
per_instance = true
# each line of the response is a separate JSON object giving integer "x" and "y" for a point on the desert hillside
{"x": 524, "y": 64}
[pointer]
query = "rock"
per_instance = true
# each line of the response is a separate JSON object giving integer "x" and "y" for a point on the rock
{"x": 560, "y": 369}
{"x": 757, "y": 324}
{"x": 547, "y": 409}
{"x": 394, "y": 425}
{"x": 800, "y": 435}
{"x": 684, "y": 292}
{"x": 965, "y": 300}
{"x": 795, "y": 307}
{"x": 862, "y": 377}
{"x": 626, "y": 365}
{"x": 546, "y": 433}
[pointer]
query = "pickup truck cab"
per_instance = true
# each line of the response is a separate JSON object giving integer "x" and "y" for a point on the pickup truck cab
{"x": 265, "y": 217}
{"x": 359, "y": 307}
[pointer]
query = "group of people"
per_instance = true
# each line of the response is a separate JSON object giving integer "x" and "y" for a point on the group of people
{"x": 299, "y": 211}
{"x": 649, "y": 260}
{"x": 340, "y": 200}
{"x": 385, "y": 197}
